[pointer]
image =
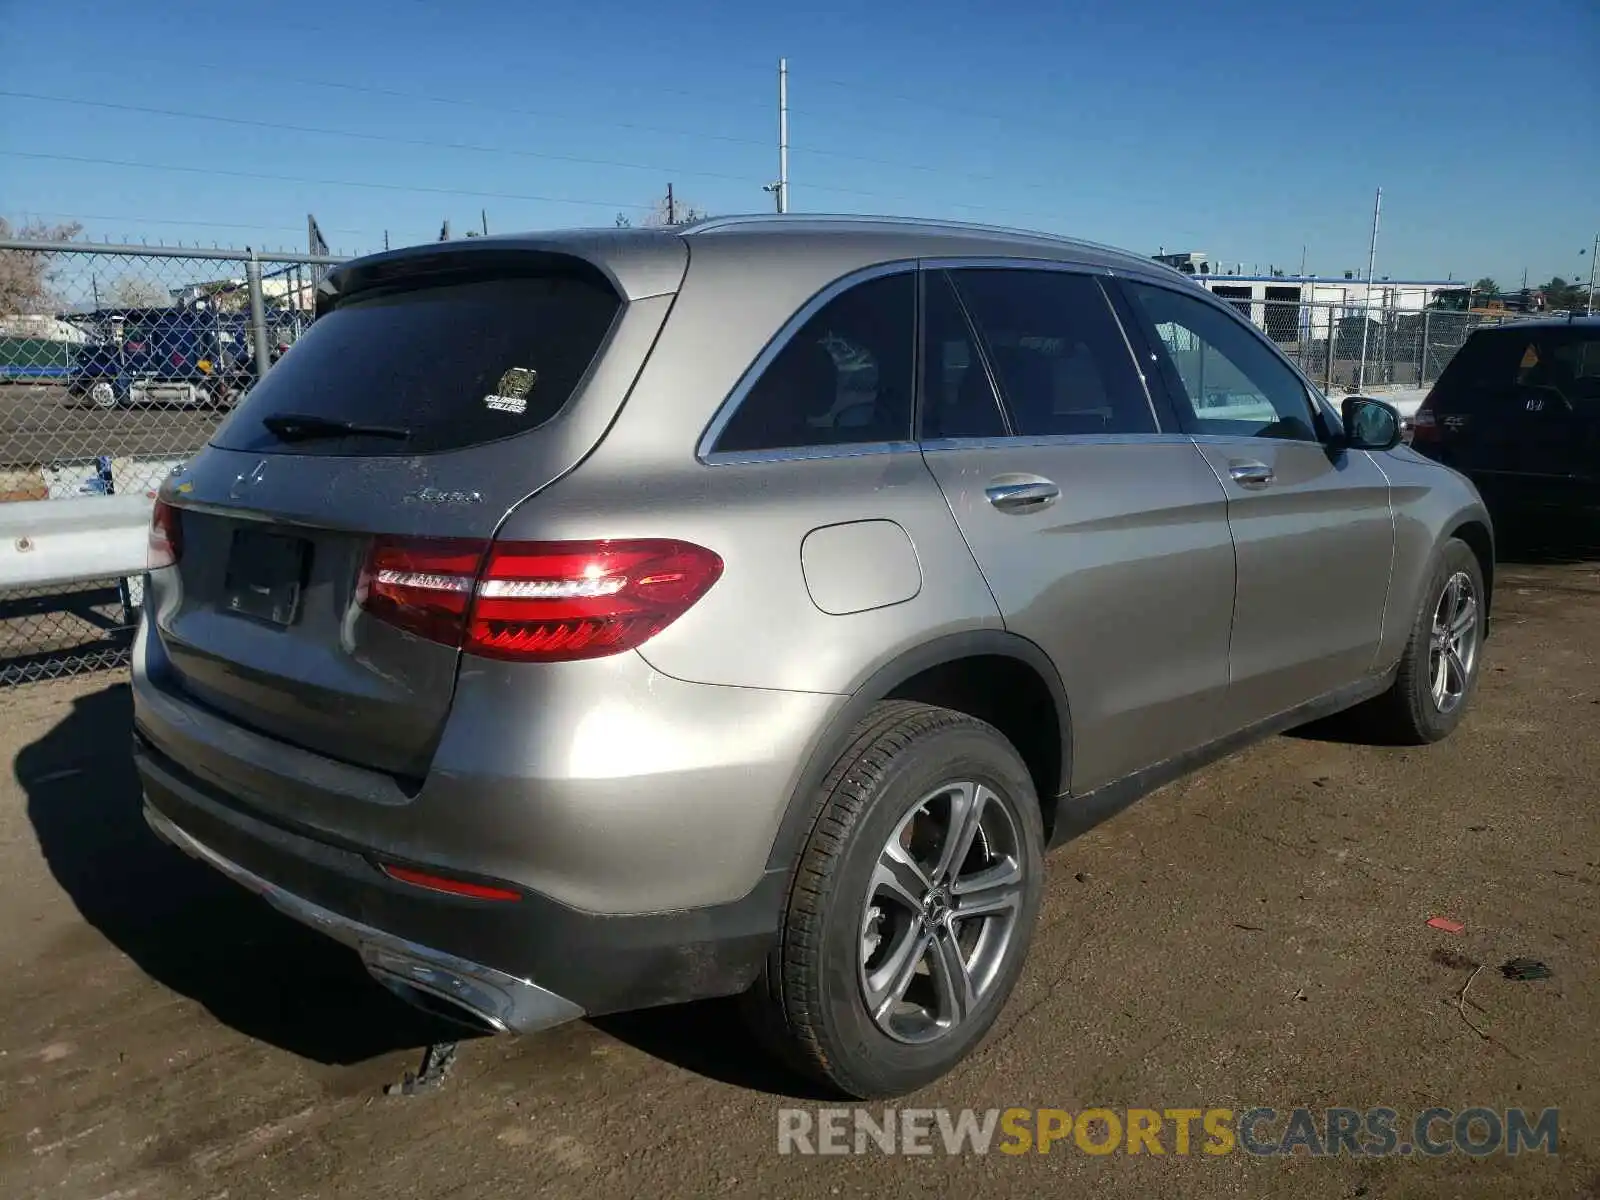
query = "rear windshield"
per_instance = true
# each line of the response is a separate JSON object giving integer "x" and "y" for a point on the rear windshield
{"x": 452, "y": 365}
{"x": 1507, "y": 362}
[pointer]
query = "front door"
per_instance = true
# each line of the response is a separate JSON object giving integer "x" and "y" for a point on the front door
{"x": 1103, "y": 538}
{"x": 1312, "y": 528}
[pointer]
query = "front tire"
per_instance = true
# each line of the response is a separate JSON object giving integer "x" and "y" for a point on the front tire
{"x": 1440, "y": 667}
{"x": 912, "y": 906}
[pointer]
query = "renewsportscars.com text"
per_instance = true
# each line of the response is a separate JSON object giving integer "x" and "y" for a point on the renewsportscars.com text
{"x": 1203, "y": 1132}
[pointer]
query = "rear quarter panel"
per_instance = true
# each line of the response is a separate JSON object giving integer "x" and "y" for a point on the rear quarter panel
{"x": 759, "y": 626}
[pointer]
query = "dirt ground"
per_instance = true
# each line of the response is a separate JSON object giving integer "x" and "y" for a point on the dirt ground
{"x": 1254, "y": 935}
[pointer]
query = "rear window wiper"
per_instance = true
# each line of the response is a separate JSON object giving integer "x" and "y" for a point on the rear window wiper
{"x": 304, "y": 427}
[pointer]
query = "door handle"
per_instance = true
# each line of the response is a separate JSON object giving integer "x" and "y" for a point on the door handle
{"x": 1251, "y": 474}
{"x": 1027, "y": 493}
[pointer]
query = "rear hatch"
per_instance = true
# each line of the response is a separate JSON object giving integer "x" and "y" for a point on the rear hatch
{"x": 435, "y": 391}
{"x": 1521, "y": 401}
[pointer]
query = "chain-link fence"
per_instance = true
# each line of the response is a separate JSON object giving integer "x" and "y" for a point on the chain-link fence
{"x": 116, "y": 363}
{"x": 1330, "y": 340}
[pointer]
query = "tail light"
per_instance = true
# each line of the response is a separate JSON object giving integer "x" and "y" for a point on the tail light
{"x": 1425, "y": 425}
{"x": 536, "y": 601}
{"x": 166, "y": 537}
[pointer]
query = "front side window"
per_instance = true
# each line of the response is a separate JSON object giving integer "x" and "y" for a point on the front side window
{"x": 1229, "y": 382}
{"x": 1061, "y": 361}
{"x": 844, "y": 378}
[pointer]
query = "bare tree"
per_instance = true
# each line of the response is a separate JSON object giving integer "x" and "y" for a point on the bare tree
{"x": 682, "y": 213}
{"x": 26, "y": 275}
{"x": 134, "y": 291}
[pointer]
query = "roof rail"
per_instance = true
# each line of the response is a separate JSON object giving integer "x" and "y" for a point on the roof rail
{"x": 714, "y": 224}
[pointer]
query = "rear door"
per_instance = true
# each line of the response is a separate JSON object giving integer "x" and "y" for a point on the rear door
{"x": 467, "y": 388}
{"x": 1312, "y": 529}
{"x": 1103, "y": 538}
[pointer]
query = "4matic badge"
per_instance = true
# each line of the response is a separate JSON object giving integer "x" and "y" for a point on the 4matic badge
{"x": 512, "y": 394}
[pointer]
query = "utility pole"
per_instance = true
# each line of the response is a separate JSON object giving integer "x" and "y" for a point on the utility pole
{"x": 1594, "y": 253}
{"x": 484, "y": 214}
{"x": 783, "y": 135}
{"x": 1366, "y": 308}
{"x": 672, "y": 208}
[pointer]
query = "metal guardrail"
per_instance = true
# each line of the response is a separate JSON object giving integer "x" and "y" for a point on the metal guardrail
{"x": 116, "y": 363}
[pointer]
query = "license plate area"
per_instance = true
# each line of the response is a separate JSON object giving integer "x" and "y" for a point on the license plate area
{"x": 266, "y": 574}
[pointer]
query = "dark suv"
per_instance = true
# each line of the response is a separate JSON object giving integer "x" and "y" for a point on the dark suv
{"x": 1518, "y": 411}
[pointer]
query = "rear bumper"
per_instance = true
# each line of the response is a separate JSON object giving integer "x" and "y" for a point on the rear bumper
{"x": 517, "y": 966}
{"x": 503, "y": 1002}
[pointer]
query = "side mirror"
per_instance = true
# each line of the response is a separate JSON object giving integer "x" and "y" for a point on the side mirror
{"x": 1370, "y": 424}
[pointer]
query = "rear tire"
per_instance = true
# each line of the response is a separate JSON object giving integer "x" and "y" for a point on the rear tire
{"x": 879, "y": 984}
{"x": 1443, "y": 656}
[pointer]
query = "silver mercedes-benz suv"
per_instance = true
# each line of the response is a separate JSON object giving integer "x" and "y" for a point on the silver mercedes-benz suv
{"x": 579, "y": 622}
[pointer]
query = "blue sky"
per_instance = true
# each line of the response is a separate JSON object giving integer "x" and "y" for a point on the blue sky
{"x": 1244, "y": 129}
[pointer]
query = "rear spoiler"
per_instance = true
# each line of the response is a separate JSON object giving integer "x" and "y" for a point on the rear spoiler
{"x": 633, "y": 263}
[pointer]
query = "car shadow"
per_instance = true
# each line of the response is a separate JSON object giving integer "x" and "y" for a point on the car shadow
{"x": 255, "y": 970}
{"x": 710, "y": 1038}
{"x": 183, "y": 924}
{"x": 1547, "y": 540}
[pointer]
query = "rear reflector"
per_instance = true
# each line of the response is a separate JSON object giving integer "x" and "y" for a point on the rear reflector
{"x": 166, "y": 537}
{"x": 453, "y": 887}
{"x": 536, "y": 601}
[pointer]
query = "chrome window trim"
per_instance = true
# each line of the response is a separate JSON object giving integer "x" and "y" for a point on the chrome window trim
{"x": 803, "y": 453}
{"x": 1233, "y": 439}
{"x": 935, "y": 445}
{"x": 968, "y": 262}
{"x": 1306, "y": 385}
{"x": 708, "y": 438}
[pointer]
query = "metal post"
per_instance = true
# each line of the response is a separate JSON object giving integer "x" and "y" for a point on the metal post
{"x": 783, "y": 135}
{"x": 1594, "y": 253}
{"x": 1422, "y": 367}
{"x": 1327, "y": 374}
{"x": 1366, "y": 308}
{"x": 672, "y": 208}
{"x": 258, "y": 315}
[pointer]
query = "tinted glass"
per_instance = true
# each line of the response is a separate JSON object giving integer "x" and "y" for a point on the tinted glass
{"x": 456, "y": 364}
{"x": 844, "y": 377}
{"x": 957, "y": 399}
{"x": 1058, "y": 355}
{"x": 1228, "y": 380}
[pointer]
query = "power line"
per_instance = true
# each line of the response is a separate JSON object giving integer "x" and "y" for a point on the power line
{"x": 476, "y": 194}
{"x": 728, "y": 139}
{"x": 495, "y": 106}
{"x": 372, "y": 137}
{"x": 354, "y": 183}
{"x": 132, "y": 221}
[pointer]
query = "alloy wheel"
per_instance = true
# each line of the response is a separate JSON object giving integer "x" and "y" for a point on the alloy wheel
{"x": 941, "y": 912}
{"x": 1453, "y": 643}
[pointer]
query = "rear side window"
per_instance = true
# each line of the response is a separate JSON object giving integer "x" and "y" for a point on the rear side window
{"x": 843, "y": 378}
{"x": 453, "y": 364}
{"x": 1500, "y": 367}
{"x": 1058, "y": 355}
